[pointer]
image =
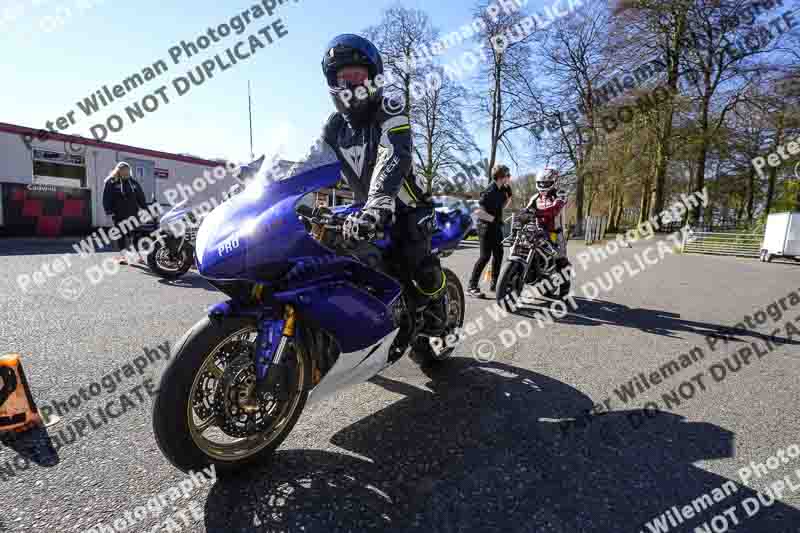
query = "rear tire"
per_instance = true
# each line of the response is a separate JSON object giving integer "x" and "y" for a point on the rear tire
{"x": 172, "y": 408}
{"x": 422, "y": 351}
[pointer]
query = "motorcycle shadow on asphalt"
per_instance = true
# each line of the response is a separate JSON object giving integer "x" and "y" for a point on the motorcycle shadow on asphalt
{"x": 483, "y": 450}
{"x": 190, "y": 280}
{"x": 657, "y": 322}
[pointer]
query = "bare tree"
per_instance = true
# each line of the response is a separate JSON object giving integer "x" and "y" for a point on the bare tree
{"x": 573, "y": 59}
{"x": 401, "y": 36}
{"x": 442, "y": 139}
{"x": 719, "y": 68}
{"x": 505, "y": 43}
{"x": 660, "y": 29}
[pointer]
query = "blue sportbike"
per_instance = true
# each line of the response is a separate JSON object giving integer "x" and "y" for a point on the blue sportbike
{"x": 308, "y": 313}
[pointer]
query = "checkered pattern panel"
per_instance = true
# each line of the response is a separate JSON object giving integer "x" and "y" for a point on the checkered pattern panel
{"x": 47, "y": 212}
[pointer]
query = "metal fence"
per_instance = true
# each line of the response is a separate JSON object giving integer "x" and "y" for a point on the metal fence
{"x": 722, "y": 243}
{"x": 595, "y": 228}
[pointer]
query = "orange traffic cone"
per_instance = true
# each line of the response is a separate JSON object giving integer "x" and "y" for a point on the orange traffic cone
{"x": 18, "y": 411}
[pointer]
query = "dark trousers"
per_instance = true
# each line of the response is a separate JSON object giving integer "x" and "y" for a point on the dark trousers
{"x": 125, "y": 239}
{"x": 410, "y": 257}
{"x": 409, "y": 260}
{"x": 491, "y": 247}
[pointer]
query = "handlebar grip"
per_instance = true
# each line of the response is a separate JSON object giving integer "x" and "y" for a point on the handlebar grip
{"x": 305, "y": 211}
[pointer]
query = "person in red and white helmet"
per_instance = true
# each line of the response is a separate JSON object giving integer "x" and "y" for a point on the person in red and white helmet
{"x": 549, "y": 204}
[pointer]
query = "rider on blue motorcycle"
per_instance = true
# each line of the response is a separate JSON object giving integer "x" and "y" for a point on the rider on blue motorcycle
{"x": 371, "y": 135}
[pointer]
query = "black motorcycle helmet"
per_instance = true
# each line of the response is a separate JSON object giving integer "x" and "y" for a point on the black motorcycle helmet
{"x": 347, "y": 50}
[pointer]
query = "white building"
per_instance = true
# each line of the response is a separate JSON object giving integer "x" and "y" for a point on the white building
{"x": 52, "y": 184}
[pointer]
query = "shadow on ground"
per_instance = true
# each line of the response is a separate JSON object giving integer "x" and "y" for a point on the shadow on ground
{"x": 31, "y": 447}
{"x": 191, "y": 279}
{"x": 19, "y": 246}
{"x": 483, "y": 453}
{"x": 655, "y": 321}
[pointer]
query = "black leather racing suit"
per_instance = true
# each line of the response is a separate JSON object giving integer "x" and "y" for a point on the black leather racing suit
{"x": 376, "y": 159}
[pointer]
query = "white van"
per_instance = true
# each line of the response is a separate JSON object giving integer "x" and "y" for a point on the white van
{"x": 782, "y": 237}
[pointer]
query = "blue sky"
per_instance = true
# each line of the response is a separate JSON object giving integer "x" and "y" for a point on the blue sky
{"x": 105, "y": 41}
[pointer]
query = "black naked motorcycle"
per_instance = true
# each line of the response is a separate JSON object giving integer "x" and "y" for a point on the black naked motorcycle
{"x": 533, "y": 261}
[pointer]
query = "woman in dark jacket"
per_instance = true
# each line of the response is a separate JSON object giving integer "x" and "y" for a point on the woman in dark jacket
{"x": 490, "y": 227}
{"x": 123, "y": 197}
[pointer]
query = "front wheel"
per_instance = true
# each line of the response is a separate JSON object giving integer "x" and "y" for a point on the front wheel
{"x": 560, "y": 284}
{"x": 510, "y": 282}
{"x": 170, "y": 264}
{"x": 207, "y": 411}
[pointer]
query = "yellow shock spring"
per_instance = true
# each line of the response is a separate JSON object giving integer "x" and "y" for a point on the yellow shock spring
{"x": 289, "y": 316}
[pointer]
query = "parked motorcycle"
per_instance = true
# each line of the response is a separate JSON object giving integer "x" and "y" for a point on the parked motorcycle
{"x": 309, "y": 314}
{"x": 173, "y": 257}
{"x": 533, "y": 260}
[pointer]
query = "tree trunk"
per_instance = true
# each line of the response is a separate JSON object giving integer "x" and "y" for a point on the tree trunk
{"x": 644, "y": 205}
{"x": 662, "y": 150}
{"x": 773, "y": 171}
{"x": 665, "y": 135}
{"x": 620, "y": 209}
{"x": 497, "y": 112}
{"x": 751, "y": 186}
{"x": 702, "y": 156}
{"x": 773, "y": 174}
{"x": 739, "y": 212}
{"x": 579, "y": 198}
{"x": 612, "y": 206}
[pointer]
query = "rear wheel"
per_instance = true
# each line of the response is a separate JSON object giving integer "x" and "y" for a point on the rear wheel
{"x": 207, "y": 411}
{"x": 510, "y": 282}
{"x": 454, "y": 308}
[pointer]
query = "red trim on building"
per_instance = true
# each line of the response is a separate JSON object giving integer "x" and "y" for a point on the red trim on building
{"x": 44, "y": 135}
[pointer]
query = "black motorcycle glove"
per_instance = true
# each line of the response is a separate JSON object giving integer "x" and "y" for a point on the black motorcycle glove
{"x": 365, "y": 225}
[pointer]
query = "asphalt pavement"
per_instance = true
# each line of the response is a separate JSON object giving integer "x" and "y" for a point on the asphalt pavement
{"x": 501, "y": 442}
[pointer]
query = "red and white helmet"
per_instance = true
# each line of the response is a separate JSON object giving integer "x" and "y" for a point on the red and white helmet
{"x": 547, "y": 180}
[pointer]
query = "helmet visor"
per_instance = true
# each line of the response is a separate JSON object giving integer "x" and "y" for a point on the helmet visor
{"x": 545, "y": 184}
{"x": 351, "y": 76}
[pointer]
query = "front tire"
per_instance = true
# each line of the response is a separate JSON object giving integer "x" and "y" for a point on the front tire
{"x": 162, "y": 261}
{"x": 510, "y": 282}
{"x": 560, "y": 290}
{"x": 188, "y": 386}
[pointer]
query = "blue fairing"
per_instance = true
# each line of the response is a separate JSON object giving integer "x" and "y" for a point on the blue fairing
{"x": 451, "y": 227}
{"x": 259, "y": 229}
{"x": 258, "y": 236}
